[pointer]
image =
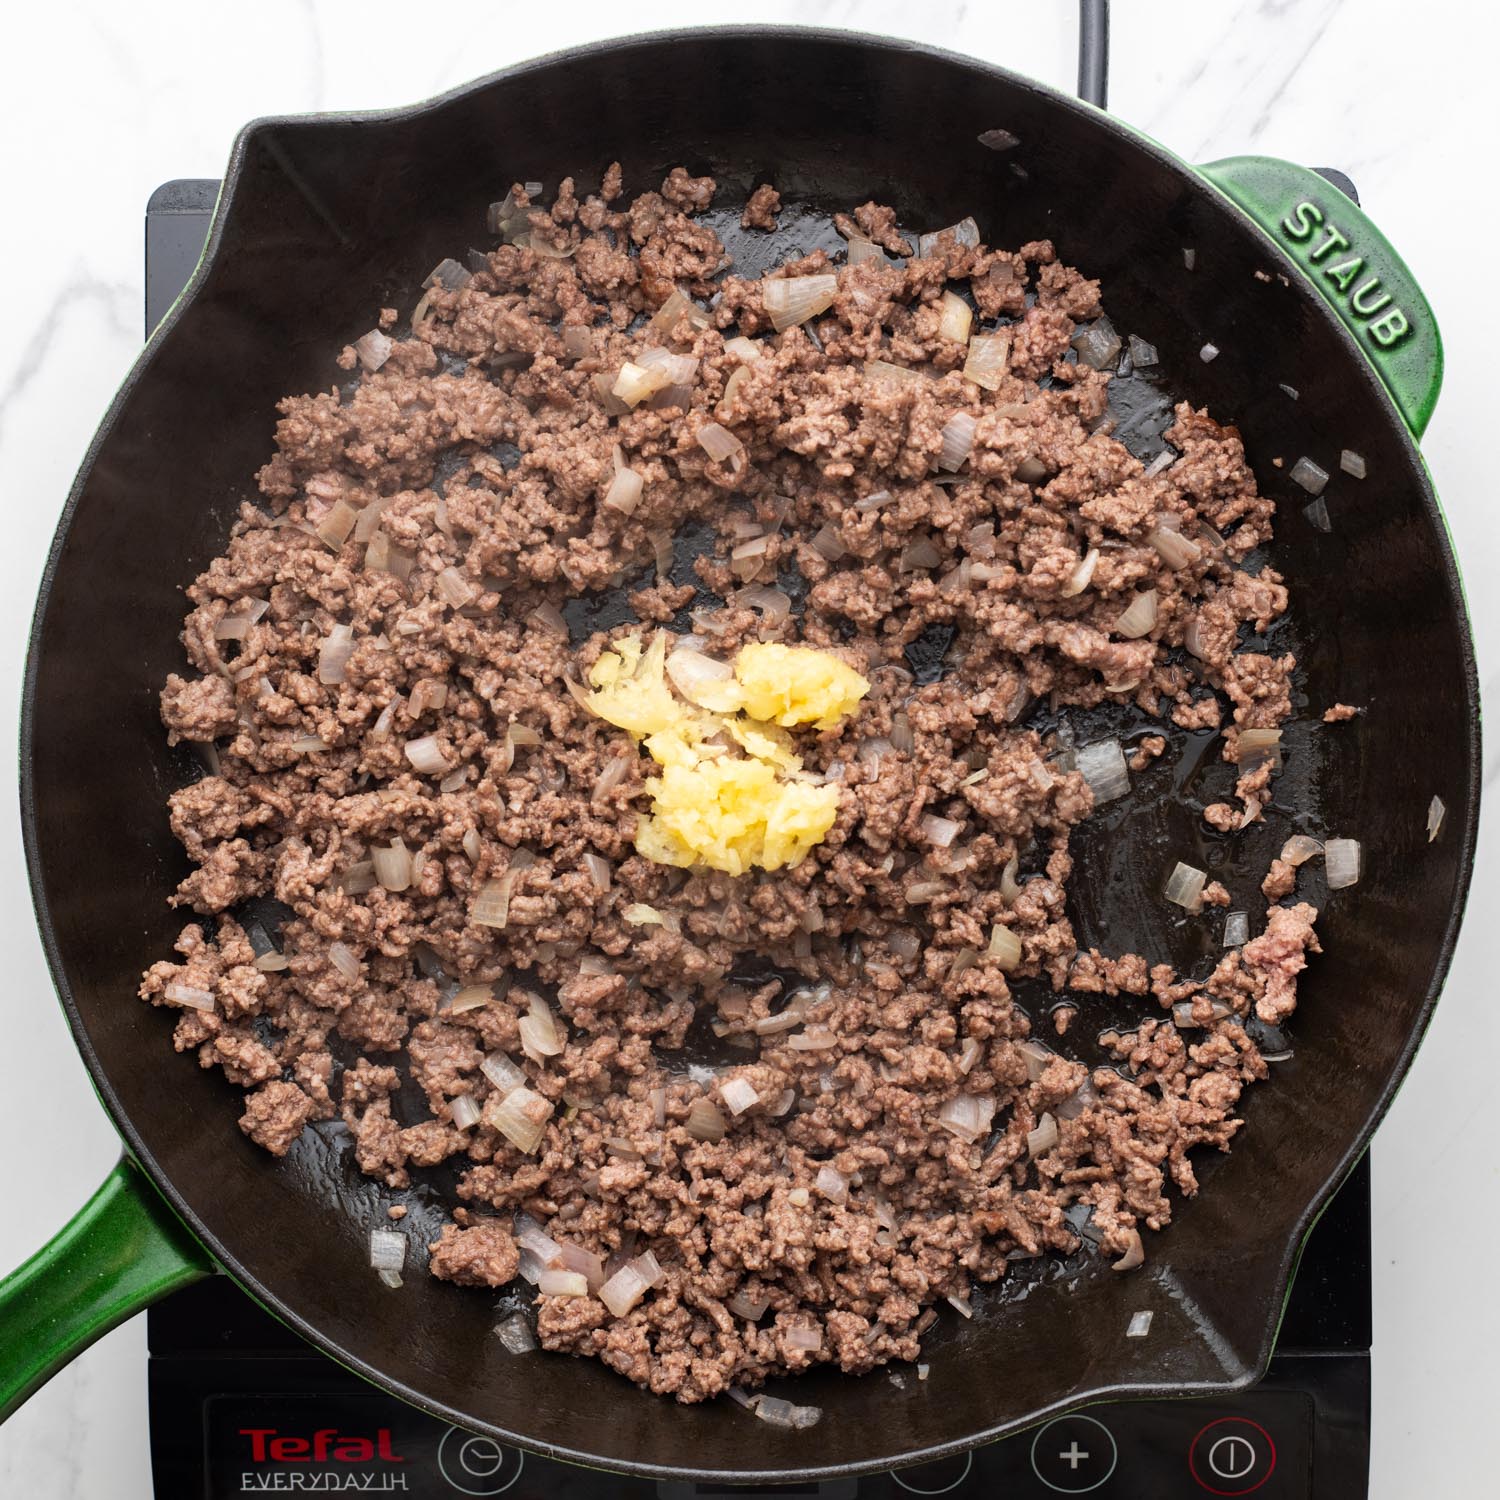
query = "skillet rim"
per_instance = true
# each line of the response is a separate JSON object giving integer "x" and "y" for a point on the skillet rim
{"x": 782, "y": 35}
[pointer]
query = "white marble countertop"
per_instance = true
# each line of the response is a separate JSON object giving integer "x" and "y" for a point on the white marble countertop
{"x": 103, "y": 102}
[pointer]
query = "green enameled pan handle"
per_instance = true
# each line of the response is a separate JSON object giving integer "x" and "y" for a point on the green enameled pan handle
{"x": 123, "y": 1250}
{"x": 1352, "y": 265}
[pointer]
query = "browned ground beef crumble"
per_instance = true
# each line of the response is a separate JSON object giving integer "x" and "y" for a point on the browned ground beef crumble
{"x": 483, "y": 445}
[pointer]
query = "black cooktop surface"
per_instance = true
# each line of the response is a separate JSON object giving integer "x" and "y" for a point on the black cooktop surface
{"x": 242, "y": 1406}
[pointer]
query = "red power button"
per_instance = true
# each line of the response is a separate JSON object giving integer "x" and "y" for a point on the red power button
{"x": 1232, "y": 1456}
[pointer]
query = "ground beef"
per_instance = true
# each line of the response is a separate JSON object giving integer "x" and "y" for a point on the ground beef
{"x": 380, "y": 660}
{"x": 483, "y": 1254}
{"x": 761, "y": 208}
{"x": 1338, "y": 713}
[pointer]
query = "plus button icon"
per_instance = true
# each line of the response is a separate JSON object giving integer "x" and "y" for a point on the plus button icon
{"x": 1074, "y": 1455}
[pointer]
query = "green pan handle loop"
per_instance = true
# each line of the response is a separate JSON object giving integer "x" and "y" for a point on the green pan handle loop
{"x": 123, "y": 1250}
{"x": 1352, "y": 265}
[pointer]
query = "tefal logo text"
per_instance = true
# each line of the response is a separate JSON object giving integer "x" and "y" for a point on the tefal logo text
{"x": 328, "y": 1444}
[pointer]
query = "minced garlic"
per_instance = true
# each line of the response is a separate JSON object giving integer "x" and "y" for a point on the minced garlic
{"x": 710, "y": 805}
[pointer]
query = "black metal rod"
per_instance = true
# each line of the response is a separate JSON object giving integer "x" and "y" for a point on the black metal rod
{"x": 1093, "y": 52}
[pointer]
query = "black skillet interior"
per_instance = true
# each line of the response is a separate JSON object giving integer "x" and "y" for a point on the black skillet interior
{"x": 330, "y": 220}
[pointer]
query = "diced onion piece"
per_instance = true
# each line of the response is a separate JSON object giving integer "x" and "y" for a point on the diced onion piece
{"x": 1041, "y": 1140}
{"x": 1299, "y": 849}
{"x": 1038, "y": 1058}
{"x": 699, "y": 678}
{"x": 191, "y": 996}
{"x": 641, "y": 915}
{"x": 1185, "y": 887}
{"x": 392, "y": 865}
{"x": 599, "y": 871}
{"x": 624, "y": 492}
{"x": 491, "y": 904}
{"x": 549, "y": 617}
{"x": 1134, "y": 1255}
{"x": 1140, "y": 1325}
{"x": 453, "y": 588}
{"x": 1252, "y": 746}
{"x": 540, "y": 1036}
{"x": 1140, "y": 618}
{"x": 883, "y": 369}
{"x": 449, "y": 275}
{"x": 827, "y": 543}
{"x": 738, "y": 1095}
{"x": 919, "y": 555}
{"x": 649, "y": 1269}
{"x": 965, "y": 233}
{"x": 920, "y": 892}
{"x": 807, "y": 1339}
{"x": 720, "y": 444}
{"x": 955, "y": 318}
{"x": 373, "y": 349}
{"x": 1236, "y": 929}
{"x": 989, "y": 357}
{"x": 578, "y": 341}
{"x": 832, "y": 1184}
{"x": 515, "y": 1333}
{"x": 274, "y": 962}
{"x": 1005, "y": 947}
{"x": 236, "y": 621}
{"x": 520, "y": 1116}
{"x": 651, "y": 371}
{"x": 1082, "y": 575}
{"x": 471, "y": 998}
{"x": 748, "y": 1308}
{"x": 1341, "y": 862}
{"x": 778, "y": 1413}
{"x": 334, "y": 653}
{"x": 584, "y": 1262}
{"x": 387, "y": 1250}
{"x": 1309, "y": 475}
{"x": 391, "y": 1279}
{"x": 502, "y": 1072}
{"x": 961, "y": 1304}
{"x": 1317, "y": 515}
{"x": 1009, "y": 886}
{"x": 342, "y": 957}
{"x": 958, "y": 441}
{"x": 790, "y": 300}
{"x": 704, "y": 1122}
{"x": 425, "y": 756}
{"x": 773, "y": 605}
{"x": 1098, "y": 345}
{"x": 1102, "y": 765}
{"x": 1176, "y": 550}
{"x": 333, "y": 530}
{"x": 813, "y": 1041}
{"x": 1208, "y": 353}
{"x": 1435, "y": 813}
{"x": 472, "y": 844}
{"x": 666, "y": 317}
{"x": 968, "y": 1116}
{"x": 563, "y": 1284}
{"x": 861, "y": 250}
{"x": 1353, "y": 463}
{"x": 973, "y": 1048}
{"x": 623, "y": 1290}
{"x": 1141, "y": 353}
{"x": 939, "y": 832}
{"x": 465, "y": 1112}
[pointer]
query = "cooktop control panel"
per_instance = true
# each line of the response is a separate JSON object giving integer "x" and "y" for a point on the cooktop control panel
{"x": 357, "y": 1441}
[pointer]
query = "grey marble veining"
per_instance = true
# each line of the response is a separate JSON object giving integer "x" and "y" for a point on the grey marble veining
{"x": 157, "y": 90}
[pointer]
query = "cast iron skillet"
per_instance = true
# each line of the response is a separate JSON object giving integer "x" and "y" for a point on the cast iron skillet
{"x": 322, "y": 220}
